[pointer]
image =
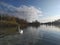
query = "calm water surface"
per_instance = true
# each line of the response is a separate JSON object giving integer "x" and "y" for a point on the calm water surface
{"x": 42, "y": 35}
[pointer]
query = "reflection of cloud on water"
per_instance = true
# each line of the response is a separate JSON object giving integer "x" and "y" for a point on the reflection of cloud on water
{"x": 51, "y": 32}
{"x": 50, "y": 28}
{"x": 33, "y": 35}
{"x": 30, "y": 36}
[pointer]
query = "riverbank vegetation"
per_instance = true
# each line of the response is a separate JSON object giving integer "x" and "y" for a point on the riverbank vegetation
{"x": 7, "y": 20}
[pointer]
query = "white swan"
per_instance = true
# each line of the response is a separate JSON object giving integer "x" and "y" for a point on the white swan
{"x": 20, "y": 31}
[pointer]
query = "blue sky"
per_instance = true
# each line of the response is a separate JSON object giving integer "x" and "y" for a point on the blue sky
{"x": 31, "y": 10}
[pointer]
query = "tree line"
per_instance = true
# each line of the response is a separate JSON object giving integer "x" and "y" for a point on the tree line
{"x": 12, "y": 20}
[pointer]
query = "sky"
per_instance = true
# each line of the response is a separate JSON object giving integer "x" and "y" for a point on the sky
{"x": 31, "y": 10}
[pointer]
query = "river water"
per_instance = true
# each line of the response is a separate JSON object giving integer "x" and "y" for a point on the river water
{"x": 42, "y": 35}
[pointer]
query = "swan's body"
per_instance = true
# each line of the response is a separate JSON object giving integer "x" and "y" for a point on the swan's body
{"x": 21, "y": 31}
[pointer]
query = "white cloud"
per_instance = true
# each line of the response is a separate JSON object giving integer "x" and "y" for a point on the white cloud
{"x": 30, "y": 13}
{"x": 50, "y": 18}
{"x": 7, "y": 6}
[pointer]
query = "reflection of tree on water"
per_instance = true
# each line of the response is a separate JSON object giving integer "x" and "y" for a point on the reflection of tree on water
{"x": 33, "y": 36}
{"x": 4, "y": 31}
{"x": 27, "y": 38}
